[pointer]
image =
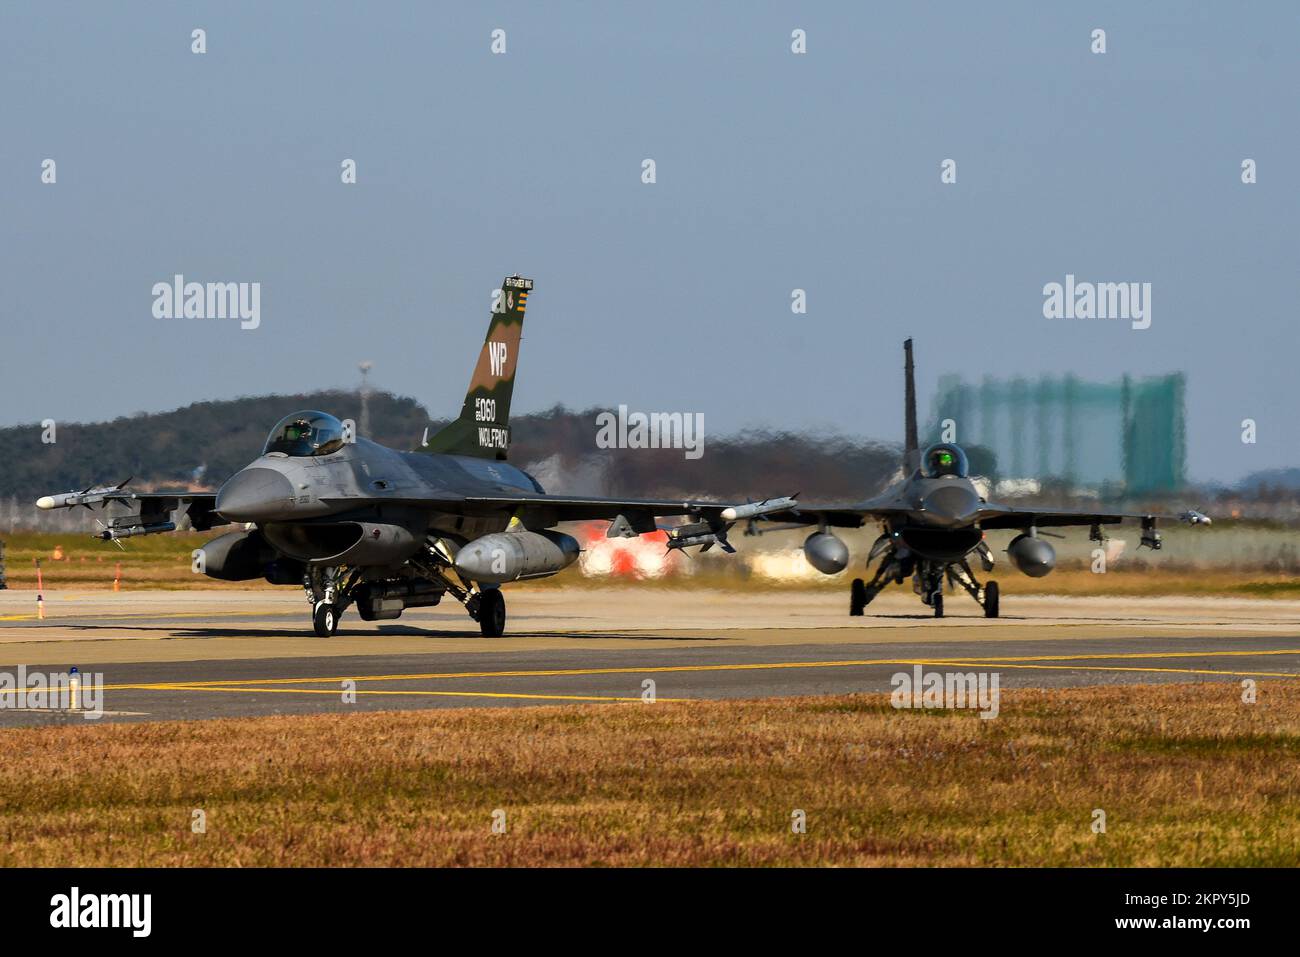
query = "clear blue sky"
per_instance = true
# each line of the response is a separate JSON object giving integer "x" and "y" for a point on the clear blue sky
{"x": 775, "y": 171}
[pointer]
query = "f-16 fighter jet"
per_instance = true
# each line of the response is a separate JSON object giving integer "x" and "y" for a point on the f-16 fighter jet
{"x": 933, "y": 523}
{"x": 354, "y": 522}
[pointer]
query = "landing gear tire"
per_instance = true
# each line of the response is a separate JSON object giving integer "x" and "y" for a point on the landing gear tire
{"x": 325, "y": 620}
{"x": 857, "y": 597}
{"x": 991, "y": 600}
{"x": 937, "y": 603}
{"x": 492, "y": 613}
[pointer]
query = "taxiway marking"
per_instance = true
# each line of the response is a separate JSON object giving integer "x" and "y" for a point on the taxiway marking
{"x": 1031, "y": 662}
{"x": 432, "y": 694}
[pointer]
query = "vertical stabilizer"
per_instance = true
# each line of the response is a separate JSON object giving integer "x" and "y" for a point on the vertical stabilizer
{"x": 911, "y": 449}
{"x": 483, "y": 428}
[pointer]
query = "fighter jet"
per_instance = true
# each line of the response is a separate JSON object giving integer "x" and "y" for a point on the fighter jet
{"x": 933, "y": 522}
{"x": 355, "y": 522}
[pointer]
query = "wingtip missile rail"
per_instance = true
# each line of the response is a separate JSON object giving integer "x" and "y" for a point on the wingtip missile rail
{"x": 93, "y": 495}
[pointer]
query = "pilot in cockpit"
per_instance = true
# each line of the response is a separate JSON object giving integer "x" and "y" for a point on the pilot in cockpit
{"x": 305, "y": 434}
{"x": 944, "y": 461}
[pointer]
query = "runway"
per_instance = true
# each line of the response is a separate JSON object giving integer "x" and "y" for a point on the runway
{"x": 193, "y": 655}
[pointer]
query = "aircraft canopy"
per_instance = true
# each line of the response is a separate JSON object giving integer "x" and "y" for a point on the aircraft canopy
{"x": 305, "y": 434}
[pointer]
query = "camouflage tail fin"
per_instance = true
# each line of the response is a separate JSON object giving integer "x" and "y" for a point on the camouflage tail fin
{"x": 483, "y": 428}
{"x": 911, "y": 447}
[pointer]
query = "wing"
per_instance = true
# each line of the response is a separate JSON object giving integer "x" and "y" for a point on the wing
{"x": 582, "y": 508}
{"x": 991, "y": 516}
{"x": 850, "y": 515}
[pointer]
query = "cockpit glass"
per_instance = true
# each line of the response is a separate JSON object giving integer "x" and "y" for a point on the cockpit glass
{"x": 944, "y": 460}
{"x": 305, "y": 433}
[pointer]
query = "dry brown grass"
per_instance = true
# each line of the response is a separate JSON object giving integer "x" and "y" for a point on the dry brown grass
{"x": 1187, "y": 775}
{"x": 81, "y": 562}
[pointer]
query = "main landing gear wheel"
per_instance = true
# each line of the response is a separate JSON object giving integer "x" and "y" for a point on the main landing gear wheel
{"x": 857, "y": 597}
{"x": 991, "y": 600}
{"x": 492, "y": 613}
{"x": 937, "y": 602}
{"x": 325, "y": 619}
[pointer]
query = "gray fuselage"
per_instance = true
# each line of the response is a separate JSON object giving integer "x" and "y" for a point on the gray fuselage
{"x": 362, "y": 478}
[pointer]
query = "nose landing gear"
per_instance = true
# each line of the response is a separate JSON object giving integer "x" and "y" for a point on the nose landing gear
{"x": 329, "y": 595}
{"x": 325, "y": 619}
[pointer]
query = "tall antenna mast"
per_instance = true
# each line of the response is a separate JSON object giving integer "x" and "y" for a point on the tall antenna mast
{"x": 365, "y": 365}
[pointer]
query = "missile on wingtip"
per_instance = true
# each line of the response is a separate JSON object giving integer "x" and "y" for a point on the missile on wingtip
{"x": 767, "y": 506}
{"x": 90, "y": 496}
{"x": 71, "y": 499}
{"x": 1193, "y": 517}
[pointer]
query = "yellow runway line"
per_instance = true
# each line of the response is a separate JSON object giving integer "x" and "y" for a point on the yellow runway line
{"x": 1152, "y": 671}
{"x": 433, "y": 694}
{"x": 548, "y": 673}
{"x": 1138, "y": 654}
{"x": 1026, "y": 661}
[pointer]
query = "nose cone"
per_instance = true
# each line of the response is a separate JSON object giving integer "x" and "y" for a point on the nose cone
{"x": 951, "y": 505}
{"x": 255, "y": 495}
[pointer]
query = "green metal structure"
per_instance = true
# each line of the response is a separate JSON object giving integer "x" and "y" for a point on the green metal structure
{"x": 1127, "y": 436}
